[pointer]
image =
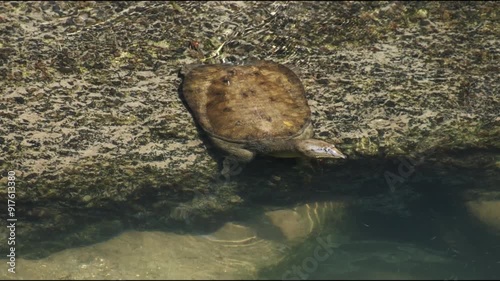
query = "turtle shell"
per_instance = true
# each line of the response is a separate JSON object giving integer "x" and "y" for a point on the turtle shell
{"x": 256, "y": 101}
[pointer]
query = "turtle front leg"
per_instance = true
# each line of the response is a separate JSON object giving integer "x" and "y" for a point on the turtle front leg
{"x": 305, "y": 163}
{"x": 308, "y": 168}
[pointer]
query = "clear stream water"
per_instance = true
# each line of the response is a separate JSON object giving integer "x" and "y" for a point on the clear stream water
{"x": 436, "y": 237}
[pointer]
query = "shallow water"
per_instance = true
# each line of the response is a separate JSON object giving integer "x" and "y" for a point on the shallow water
{"x": 438, "y": 240}
{"x": 329, "y": 239}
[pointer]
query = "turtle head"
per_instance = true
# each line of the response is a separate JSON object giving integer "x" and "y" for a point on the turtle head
{"x": 313, "y": 148}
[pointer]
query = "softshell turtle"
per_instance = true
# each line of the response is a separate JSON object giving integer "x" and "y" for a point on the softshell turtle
{"x": 258, "y": 107}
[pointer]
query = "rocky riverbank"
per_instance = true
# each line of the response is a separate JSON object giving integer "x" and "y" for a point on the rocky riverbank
{"x": 93, "y": 124}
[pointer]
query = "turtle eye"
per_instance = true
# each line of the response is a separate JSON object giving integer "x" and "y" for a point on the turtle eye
{"x": 330, "y": 151}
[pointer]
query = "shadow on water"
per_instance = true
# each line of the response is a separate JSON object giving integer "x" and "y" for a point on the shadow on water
{"x": 435, "y": 238}
{"x": 420, "y": 230}
{"x": 63, "y": 225}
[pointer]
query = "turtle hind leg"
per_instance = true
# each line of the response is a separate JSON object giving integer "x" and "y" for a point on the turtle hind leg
{"x": 231, "y": 165}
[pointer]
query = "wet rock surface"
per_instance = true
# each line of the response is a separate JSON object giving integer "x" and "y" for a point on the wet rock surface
{"x": 93, "y": 123}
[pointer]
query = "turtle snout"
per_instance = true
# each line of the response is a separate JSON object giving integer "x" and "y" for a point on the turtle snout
{"x": 333, "y": 151}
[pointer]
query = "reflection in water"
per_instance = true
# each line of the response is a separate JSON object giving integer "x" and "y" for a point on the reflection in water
{"x": 438, "y": 240}
{"x": 382, "y": 259}
{"x": 319, "y": 240}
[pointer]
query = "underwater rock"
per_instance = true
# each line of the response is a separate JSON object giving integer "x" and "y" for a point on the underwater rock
{"x": 487, "y": 211}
